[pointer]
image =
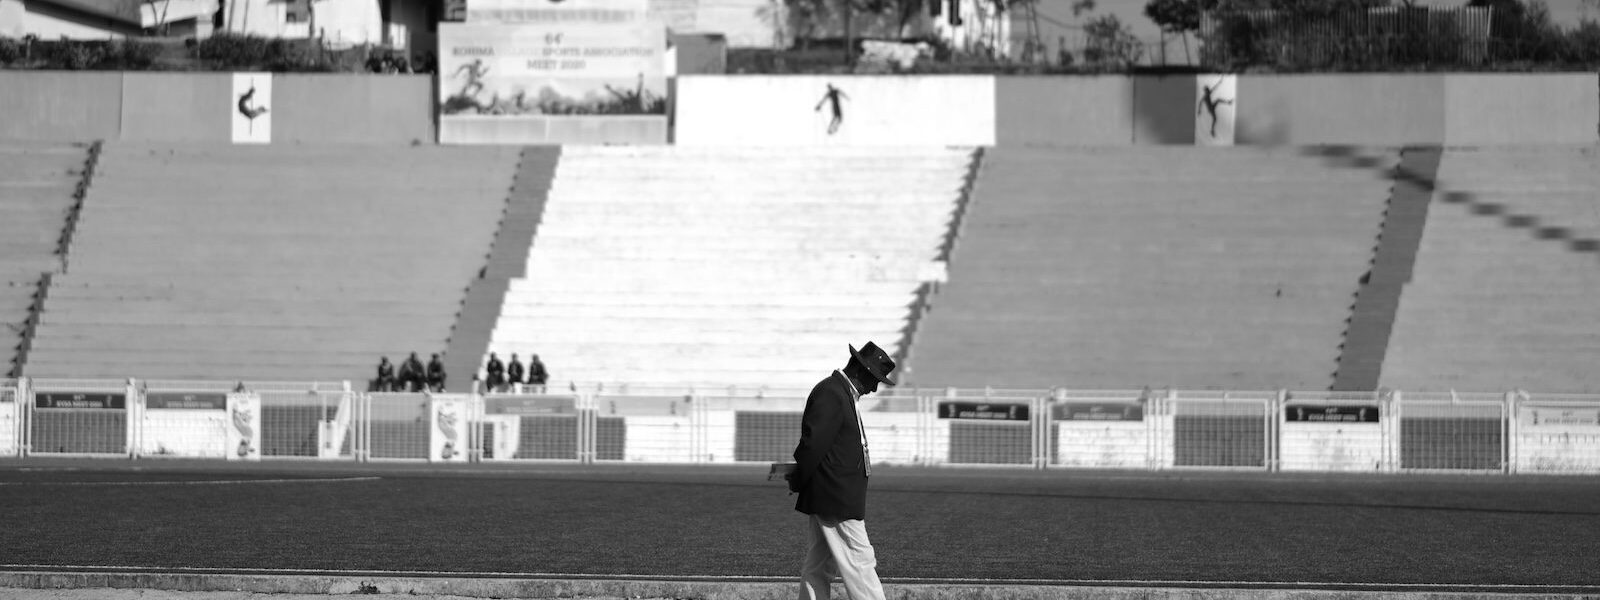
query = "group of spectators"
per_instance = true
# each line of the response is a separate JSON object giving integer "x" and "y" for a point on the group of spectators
{"x": 413, "y": 376}
{"x": 500, "y": 377}
{"x": 393, "y": 62}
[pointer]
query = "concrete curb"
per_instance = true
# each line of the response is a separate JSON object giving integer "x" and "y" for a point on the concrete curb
{"x": 467, "y": 587}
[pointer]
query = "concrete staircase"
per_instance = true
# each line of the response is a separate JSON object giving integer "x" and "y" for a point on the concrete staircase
{"x": 39, "y": 184}
{"x": 275, "y": 263}
{"x": 1096, "y": 268}
{"x": 508, "y": 258}
{"x": 708, "y": 267}
{"x": 1504, "y": 289}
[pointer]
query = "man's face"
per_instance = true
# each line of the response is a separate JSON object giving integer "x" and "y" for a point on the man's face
{"x": 870, "y": 386}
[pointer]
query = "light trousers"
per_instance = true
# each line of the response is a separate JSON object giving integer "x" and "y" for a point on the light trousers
{"x": 839, "y": 548}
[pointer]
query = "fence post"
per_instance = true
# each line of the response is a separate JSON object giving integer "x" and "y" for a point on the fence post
{"x": 24, "y": 417}
{"x": 133, "y": 413}
{"x": 1510, "y": 410}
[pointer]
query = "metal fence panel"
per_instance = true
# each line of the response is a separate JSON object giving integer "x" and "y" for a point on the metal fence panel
{"x": 306, "y": 424}
{"x": 398, "y": 424}
{"x": 530, "y": 427}
{"x": 1220, "y": 429}
{"x": 991, "y": 430}
{"x": 80, "y": 417}
{"x": 1109, "y": 429}
{"x": 1555, "y": 434}
{"x": 1450, "y": 431}
{"x": 644, "y": 428}
{"x": 1335, "y": 431}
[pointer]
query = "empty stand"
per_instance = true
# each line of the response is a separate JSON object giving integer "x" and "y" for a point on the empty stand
{"x": 1095, "y": 268}
{"x": 286, "y": 263}
{"x": 1503, "y": 294}
{"x": 717, "y": 267}
{"x": 37, "y": 183}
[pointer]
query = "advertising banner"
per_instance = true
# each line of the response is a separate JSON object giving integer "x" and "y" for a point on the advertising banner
{"x": 252, "y": 108}
{"x": 1215, "y": 109}
{"x": 1558, "y": 439}
{"x": 244, "y": 426}
{"x": 447, "y": 438}
{"x": 512, "y": 69}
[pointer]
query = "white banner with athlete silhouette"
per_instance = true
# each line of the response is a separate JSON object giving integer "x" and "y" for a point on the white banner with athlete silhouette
{"x": 1215, "y": 107}
{"x": 252, "y": 108}
{"x": 243, "y": 426}
{"x": 447, "y": 435}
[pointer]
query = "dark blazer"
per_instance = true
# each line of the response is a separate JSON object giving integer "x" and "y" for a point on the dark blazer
{"x": 830, "y": 472}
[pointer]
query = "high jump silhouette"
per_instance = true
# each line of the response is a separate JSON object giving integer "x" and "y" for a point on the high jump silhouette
{"x": 250, "y": 112}
{"x": 1209, "y": 103}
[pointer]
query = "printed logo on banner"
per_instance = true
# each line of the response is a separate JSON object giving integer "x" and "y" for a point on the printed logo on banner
{"x": 244, "y": 434}
{"x": 1215, "y": 110}
{"x": 252, "y": 108}
{"x": 983, "y": 411}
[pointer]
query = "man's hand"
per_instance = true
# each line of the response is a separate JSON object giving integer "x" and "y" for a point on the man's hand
{"x": 794, "y": 485}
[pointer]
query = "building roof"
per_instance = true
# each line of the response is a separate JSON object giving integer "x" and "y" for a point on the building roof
{"x": 119, "y": 10}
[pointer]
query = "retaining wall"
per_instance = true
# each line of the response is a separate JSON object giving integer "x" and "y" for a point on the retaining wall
{"x": 1365, "y": 109}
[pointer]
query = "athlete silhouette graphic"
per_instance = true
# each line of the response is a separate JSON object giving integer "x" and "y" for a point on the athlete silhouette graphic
{"x": 250, "y": 112}
{"x": 832, "y": 96}
{"x": 1209, "y": 103}
{"x": 475, "y": 72}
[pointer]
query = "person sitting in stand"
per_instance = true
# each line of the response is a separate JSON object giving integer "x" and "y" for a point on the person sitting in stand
{"x": 411, "y": 374}
{"x": 514, "y": 372}
{"x": 436, "y": 374}
{"x": 537, "y": 375}
{"x": 385, "y": 381}
{"x": 495, "y": 374}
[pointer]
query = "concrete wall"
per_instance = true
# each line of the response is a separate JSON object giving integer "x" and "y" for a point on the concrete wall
{"x": 57, "y": 105}
{"x": 877, "y": 111}
{"x": 1340, "y": 109}
{"x": 346, "y": 109}
{"x": 177, "y": 107}
{"x": 198, "y": 107}
{"x": 1064, "y": 111}
{"x": 1518, "y": 108}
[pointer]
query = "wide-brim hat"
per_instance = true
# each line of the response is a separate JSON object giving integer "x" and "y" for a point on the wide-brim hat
{"x": 875, "y": 360}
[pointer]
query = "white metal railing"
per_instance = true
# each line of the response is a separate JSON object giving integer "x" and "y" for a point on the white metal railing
{"x": 1381, "y": 432}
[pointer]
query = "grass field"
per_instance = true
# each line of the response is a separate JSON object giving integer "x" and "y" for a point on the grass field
{"x": 728, "y": 521}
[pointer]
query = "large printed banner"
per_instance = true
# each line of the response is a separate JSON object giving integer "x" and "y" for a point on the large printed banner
{"x": 512, "y": 69}
{"x": 447, "y": 438}
{"x": 1558, "y": 439}
{"x": 244, "y": 426}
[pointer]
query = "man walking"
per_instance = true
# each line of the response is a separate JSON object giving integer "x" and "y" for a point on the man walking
{"x": 832, "y": 463}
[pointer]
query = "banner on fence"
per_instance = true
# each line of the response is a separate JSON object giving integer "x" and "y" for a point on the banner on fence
{"x": 510, "y": 70}
{"x": 530, "y": 405}
{"x": 1099, "y": 411}
{"x": 1321, "y": 437}
{"x": 984, "y": 411}
{"x": 184, "y": 424}
{"x": 1558, "y": 439}
{"x": 87, "y": 400}
{"x": 447, "y": 437}
{"x": 244, "y": 426}
{"x": 1317, "y": 413}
